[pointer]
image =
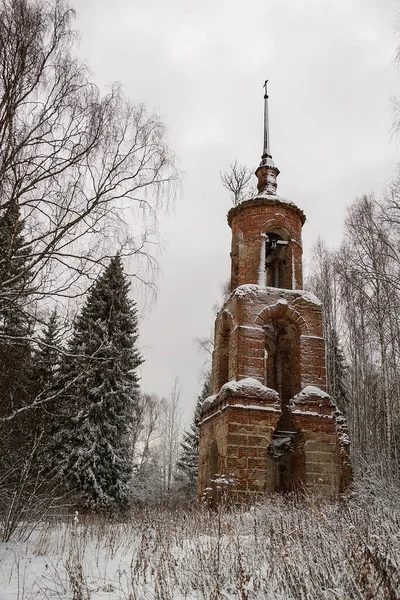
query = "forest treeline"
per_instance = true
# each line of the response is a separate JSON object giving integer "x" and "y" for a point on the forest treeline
{"x": 83, "y": 177}
{"x": 359, "y": 286}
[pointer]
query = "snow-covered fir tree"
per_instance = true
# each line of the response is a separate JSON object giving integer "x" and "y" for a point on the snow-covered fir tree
{"x": 188, "y": 458}
{"x": 99, "y": 390}
{"x": 43, "y": 378}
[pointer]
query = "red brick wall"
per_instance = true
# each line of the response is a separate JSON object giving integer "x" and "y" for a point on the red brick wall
{"x": 249, "y": 222}
{"x": 247, "y": 314}
{"x": 242, "y": 424}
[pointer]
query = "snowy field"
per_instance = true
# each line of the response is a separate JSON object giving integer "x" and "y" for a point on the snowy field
{"x": 278, "y": 550}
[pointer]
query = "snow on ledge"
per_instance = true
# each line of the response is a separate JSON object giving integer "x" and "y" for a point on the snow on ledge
{"x": 264, "y": 195}
{"x": 245, "y": 290}
{"x": 310, "y": 297}
{"x": 310, "y": 390}
{"x": 208, "y": 401}
{"x": 250, "y": 386}
{"x": 252, "y": 288}
{"x": 244, "y": 387}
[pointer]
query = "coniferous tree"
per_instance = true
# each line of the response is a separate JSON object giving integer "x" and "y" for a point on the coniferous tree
{"x": 46, "y": 357}
{"x": 15, "y": 327}
{"x": 337, "y": 383}
{"x": 44, "y": 375}
{"x": 14, "y": 273}
{"x": 188, "y": 460}
{"x": 99, "y": 382}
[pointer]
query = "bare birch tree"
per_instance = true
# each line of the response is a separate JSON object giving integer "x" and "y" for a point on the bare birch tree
{"x": 170, "y": 437}
{"x": 358, "y": 285}
{"x": 77, "y": 169}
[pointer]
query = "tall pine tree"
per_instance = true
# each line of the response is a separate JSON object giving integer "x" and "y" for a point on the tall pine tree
{"x": 99, "y": 391}
{"x": 188, "y": 459}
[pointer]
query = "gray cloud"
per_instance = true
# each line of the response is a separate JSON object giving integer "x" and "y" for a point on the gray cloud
{"x": 202, "y": 66}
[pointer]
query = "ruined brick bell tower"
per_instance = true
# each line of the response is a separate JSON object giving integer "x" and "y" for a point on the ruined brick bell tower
{"x": 270, "y": 425}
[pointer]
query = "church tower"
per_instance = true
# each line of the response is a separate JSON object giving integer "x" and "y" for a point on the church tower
{"x": 270, "y": 426}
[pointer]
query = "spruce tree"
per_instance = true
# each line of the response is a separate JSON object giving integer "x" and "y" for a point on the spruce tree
{"x": 15, "y": 328}
{"x": 46, "y": 357}
{"x": 99, "y": 391}
{"x": 43, "y": 378}
{"x": 188, "y": 459}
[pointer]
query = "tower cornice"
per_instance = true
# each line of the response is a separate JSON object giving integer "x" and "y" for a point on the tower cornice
{"x": 264, "y": 201}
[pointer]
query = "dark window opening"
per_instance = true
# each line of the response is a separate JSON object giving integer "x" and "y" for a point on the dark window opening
{"x": 282, "y": 359}
{"x": 275, "y": 260}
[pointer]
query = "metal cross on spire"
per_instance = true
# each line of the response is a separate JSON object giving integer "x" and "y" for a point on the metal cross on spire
{"x": 267, "y": 147}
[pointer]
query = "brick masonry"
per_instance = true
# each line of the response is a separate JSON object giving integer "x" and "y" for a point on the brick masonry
{"x": 279, "y": 431}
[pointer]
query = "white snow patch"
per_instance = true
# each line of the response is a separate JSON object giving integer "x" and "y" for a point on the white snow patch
{"x": 245, "y": 290}
{"x": 208, "y": 401}
{"x": 249, "y": 385}
{"x": 206, "y": 419}
{"x": 252, "y": 288}
{"x": 310, "y": 297}
{"x": 310, "y": 390}
{"x": 268, "y": 196}
{"x": 282, "y": 301}
{"x": 265, "y": 195}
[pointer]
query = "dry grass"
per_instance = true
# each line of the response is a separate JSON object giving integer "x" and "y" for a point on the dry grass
{"x": 280, "y": 549}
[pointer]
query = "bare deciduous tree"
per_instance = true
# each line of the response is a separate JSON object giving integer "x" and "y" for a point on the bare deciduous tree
{"x": 236, "y": 180}
{"x": 358, "y": 284}
{"x": 170, "y": 430}
{"x": 78, "y": 170}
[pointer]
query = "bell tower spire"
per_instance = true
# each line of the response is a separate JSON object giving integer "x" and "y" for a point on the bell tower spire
{"x": 267, "y": 172}
{"x": 267, "y": 145}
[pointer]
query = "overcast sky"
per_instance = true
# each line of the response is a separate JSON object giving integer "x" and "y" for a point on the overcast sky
{"x": 201, "y": 66}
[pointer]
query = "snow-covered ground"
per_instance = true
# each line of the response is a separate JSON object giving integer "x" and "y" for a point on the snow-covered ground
{"x": 278, "y": 550}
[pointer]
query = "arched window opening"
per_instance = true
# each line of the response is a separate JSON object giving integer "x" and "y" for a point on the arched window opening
{"x": 275, "y": 260}
{"x": 287, "y": 361}
{"x": 282, "y": 359}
